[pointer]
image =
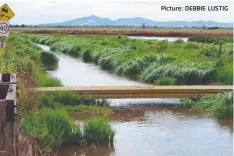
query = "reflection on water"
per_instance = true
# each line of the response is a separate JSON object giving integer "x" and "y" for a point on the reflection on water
{"x": 100, "y": 150}
{"x": 163, "y": 131}
{"x": 147, "y": 130}
{"x": 159, "y": 38}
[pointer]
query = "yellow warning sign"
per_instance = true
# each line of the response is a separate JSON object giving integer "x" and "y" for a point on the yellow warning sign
{"x": 6, "y": 13}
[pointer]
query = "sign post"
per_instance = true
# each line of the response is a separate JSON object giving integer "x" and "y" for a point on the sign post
{"x": 4, "y": 28}
{"x": 5, "y": 15}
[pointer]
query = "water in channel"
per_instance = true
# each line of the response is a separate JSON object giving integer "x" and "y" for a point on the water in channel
{"x": 146, "y": 128}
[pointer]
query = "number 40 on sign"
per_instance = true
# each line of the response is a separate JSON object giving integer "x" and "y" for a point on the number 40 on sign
{"x": 4, "y": 28}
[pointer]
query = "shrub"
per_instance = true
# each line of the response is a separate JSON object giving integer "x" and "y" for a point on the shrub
{"x": 165, "y": 81}
{"x": 98, "y": 131}
{"x": 49, "y": 60}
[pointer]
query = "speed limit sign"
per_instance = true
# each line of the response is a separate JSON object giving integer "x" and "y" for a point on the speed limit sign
{"x": 4, "y": 28}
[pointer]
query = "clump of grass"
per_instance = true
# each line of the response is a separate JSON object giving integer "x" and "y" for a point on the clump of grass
{"x": 218, "y": 105}
{"x": 133, "y": 67}
{"x": 87, "y": 56}
{"x": 58, "y": 99}
{"x": 184, "y": 75}
{"x": 50, "y": 128}
{"x": 165, "y": 81}
{"x": 108, "y": 62}
{"x": 75, "y": 51}
{"x": 49, "y": 60}
{"x": 98, "y": 131}
{"x": 53, "y": 128}
{"x": 44, "y": 80}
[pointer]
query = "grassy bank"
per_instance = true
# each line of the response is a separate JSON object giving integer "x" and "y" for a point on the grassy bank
{"x": 211, "y": 39}
{"x": 218, "y": 105}
{"x": 53, "y": 128}
{"x": 150, "y": 61}
{"x": 44, "y": 117}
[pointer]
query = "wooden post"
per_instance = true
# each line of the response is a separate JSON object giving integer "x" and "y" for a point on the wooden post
{"x": 7, "y": 114}
{"x": 220, "y": 49}
{"x": 1, "y": 41}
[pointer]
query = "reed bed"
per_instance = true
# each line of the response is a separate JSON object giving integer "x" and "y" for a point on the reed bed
{"x": 190, "y": 63}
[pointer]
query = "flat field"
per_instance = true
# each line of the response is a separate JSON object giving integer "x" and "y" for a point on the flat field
{"x": 173, "y": 32}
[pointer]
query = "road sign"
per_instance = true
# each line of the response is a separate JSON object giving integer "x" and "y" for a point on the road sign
{"x": 6, "y": 13}
{"x": 4, "y": 28}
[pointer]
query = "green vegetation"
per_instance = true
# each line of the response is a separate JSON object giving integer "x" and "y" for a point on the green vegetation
{"x": 189, "y": 63}
{"x": 219, "y": 105}
{"x": 44, "y": 117}
{"x": 52, "y": 128}
{"x": 59, "y": 99}
{"x": 49, "y": 60}
{"x": 44, "y": 80}
{"x": 211, "y": 39}
{"x": 97, "y": 131}
{"x": 165, "y": 81}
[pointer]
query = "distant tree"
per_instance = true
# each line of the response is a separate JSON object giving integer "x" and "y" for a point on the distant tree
{"x": 203, "y": 27}
{"x": 143, "y": 25}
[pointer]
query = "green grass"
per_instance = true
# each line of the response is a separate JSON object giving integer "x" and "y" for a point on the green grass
{"x": 44, "y": 117}
{"x": 49, "y": 60}
{"x": 44, "y": 80}
{"x": 211, "y": 39}
{"x": 219, "y": 105}
{"x": 98, "y": 131}
{"x": 50, "y": 128}
{"x": 53, "y": 128}
{"x": 190, "y": 63}
{"x": 59, "y": 99}
{"x": 165, "y": 81}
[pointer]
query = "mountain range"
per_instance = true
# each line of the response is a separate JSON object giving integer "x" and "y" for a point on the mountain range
{"x": 136, "y": 21}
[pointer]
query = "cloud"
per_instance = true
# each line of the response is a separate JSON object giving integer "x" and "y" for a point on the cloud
{"x": 37, "y": 12}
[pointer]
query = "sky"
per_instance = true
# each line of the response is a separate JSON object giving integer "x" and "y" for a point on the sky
{"x": 39, "y": 12}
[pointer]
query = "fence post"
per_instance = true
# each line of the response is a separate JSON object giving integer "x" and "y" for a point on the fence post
{"x": 7, "y": 114}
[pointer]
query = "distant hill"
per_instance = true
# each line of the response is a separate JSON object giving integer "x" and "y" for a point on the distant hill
{"x": 136, "y": 21}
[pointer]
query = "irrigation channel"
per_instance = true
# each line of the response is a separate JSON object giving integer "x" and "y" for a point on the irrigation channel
{"x": 148, "y": 126}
